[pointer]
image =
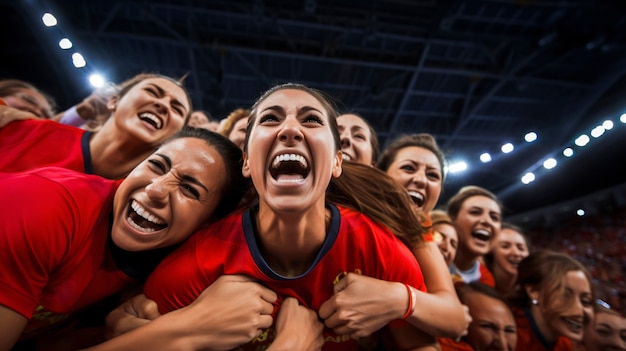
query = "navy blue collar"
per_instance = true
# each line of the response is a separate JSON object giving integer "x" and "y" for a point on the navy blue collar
{"x": 536, "y": 331}
{"x": 84, "y": 145}
{"x": 250, "y": 230}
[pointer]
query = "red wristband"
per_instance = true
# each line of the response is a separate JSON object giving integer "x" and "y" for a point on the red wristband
{"x": 411, "y": 308}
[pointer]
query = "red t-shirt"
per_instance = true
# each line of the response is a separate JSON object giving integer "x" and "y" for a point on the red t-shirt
{"x": 451, "y": 345}
{"x": 529, "y": 338}
{"x": 53, "y": 236}
{"x": 31, "y": 144}
{"x": 354, "y": 243}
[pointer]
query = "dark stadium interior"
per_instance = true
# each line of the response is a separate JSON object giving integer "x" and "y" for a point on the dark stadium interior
{"x": 475, "y": 74}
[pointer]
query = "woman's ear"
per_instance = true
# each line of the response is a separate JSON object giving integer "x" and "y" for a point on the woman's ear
{"x": 337, "y": 164}
{"x": 532, "y": 292}
{"x": 112, "y": 103}
{"x": 245, "y": 170}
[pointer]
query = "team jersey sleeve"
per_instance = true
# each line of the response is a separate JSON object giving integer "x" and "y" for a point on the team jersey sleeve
{"x": 38, "y": 221}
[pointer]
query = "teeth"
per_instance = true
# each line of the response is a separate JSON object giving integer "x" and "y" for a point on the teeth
{"x": 346, "y": 157}
{"x": 482, "y": 232}
{"x": 145, "y": 214}
{"x": 153, "y": 118}
{"x": 574, "y": 323}
{"x": 289, "y": 157}
{"x": 416, "y": 195}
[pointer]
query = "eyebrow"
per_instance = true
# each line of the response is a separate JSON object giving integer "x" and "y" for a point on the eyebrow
{"x": 174, "y": 100}
{"x": 185, "y": 177}
{"x": 282, "y": 110}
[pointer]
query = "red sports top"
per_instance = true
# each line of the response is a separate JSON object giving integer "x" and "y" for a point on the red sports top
{"x": 354, "y": 243}
{"x": 530, "y": 339}
{"x": 53, "y": 235}
{"x": 451, "y": 345}
{"x": 30, "y": 144}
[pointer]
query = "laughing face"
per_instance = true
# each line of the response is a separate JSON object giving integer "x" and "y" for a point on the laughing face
{"x": 576, "y": 307}
{"x": 152, "y": 110}
{"x": 356, "y": 139}
{"x": 168, "y": 196}
{"x": 607, "y": 332}
{"x": 477, "y": 224}
{"x": 493, "y": 326}
{"x": 418, "y": 170}
{"x": 509, "y": 250}
{"x": 291, "y": 153}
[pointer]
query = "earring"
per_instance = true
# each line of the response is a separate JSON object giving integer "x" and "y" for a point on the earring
{"x": 534, "y": 301}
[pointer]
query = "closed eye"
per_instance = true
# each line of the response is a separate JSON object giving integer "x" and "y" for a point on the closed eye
{"x": 190, "y": 190}
{"x": 157, "y": 166}
{"x": 313, "y": 119}
{"x": 268, "y": 118}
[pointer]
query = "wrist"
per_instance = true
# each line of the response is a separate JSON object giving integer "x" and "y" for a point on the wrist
{"x": 411, "y": 302}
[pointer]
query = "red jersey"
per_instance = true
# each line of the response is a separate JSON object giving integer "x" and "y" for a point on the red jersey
{"x": 530, "y": 339}
{"x": 30, "y": 144}
{"x": 481, "y": 274}
{"x": 53, "y": 244}
{"x": 451, "y": 345}
{"x": 354, "y": 243}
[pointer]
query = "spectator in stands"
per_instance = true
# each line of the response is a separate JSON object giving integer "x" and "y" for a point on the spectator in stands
{"x": 445, "y": 235}
{"x": 359, "y": 142}
{"x": 607, "y": 331}
{"x": 26, "y": 97}
{"x": 234, "y": 126}
{"x": 493, "y": 325}
{"x": 477, "y": 217}
{"x": 202, "y": 119}
{"x": 509, "y": 248}
{"x": 554, "y": 302}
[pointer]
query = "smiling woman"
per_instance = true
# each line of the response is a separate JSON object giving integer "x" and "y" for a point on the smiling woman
{"x": 148, "y": 109}
{"x": 68, "y": 240}
{"x": 295, "y": 241}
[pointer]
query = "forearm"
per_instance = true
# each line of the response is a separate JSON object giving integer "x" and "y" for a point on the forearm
{"x": 438, "y": 312}
{"x": 164, "y": 333}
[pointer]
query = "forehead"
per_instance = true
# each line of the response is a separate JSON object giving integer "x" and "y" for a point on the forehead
{"x": 446, "y": 229}
{"x": 193, "y": 155}
{"x": 169, "y": 86}
{"x": 484, "y": 307}
{"x": 350, "y": 120}
{"x": 577, "y": 281}
{"x": 510, "y": 235}
{"x": 614, "y": 321}
{"x": 292, "y": 99}
{"x": 482, "y": 202}
{"x": 417, "y": 154}
{"x": 241, "y": 122}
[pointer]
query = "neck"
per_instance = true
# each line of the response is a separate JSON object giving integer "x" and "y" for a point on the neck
{"x": 114, "y": 155}
{"x": 464, "y": 260}
{"x": 289, "y": 242}
{"x": 547, "y": 335}
{"x": 505, "y": 282}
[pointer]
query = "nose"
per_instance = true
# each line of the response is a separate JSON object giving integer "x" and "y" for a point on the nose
{"x": 419, "y": 178}
{"x": 345, "y": 139}
{"x": 157, "y": 191}
{"x": 291, "y": 131}
{"x": 499, "y": 340}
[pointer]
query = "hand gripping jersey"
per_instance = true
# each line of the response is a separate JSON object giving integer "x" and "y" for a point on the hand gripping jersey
{"x": 53, "y": 244}
{"x": 354, "y": 243}
{"x": 530, "y": 339}
{"x": 31, "y": 144}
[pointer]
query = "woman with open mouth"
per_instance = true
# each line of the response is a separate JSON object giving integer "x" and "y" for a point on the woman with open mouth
{"x": 477, "y": 217}
{"x": 416, "y": 163}
{"x": 554, "y": 303}
{"x": 295, "y": 241}
{"x": 509, "y": 249}
{"x": 147, "y": 109}
{"x": 68, "y": 239}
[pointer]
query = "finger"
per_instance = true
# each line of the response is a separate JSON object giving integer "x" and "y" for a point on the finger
{"x": 265, "y": 321}
{"x": 149, "y": 310}
{"x": 327, "y": 309}
{"x": 267, "y": 294}
{"x": 341, "y": 284}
